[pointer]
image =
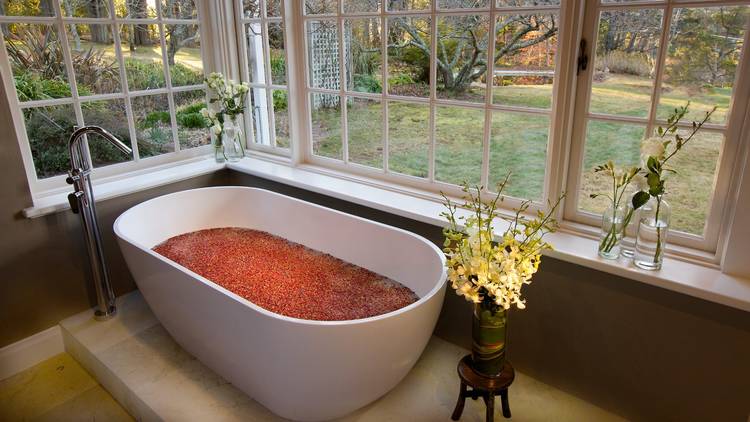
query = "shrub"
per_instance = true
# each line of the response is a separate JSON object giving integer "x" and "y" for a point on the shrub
{"x": 144, "y": 74}
{"x": 32, "y": 87}
{"x": 278, "y": 65}
{"x": 367, "y": 83}
{"x": 155, "y": 117}
{"x": 279, "y": 100}
{"x": 189, "y": 116}
{"x": 619, "y": 61}
{"x": 400, "y": 79}
{"x": 182, "y": 75}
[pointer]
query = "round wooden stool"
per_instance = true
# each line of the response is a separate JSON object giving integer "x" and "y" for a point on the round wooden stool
{"x": 485, "y": 387}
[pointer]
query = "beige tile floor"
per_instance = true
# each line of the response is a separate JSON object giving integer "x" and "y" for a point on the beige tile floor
{"x": 58, "y": 389}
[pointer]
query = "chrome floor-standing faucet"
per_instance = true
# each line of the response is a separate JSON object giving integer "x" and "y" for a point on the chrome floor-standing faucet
{"x": 82, "y": 202}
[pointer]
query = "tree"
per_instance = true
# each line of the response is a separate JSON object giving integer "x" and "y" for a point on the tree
{"x": 706, "y": 45}
{"x": 462, "y": 43}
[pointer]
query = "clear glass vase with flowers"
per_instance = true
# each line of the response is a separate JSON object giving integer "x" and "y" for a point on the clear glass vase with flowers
{"x": 225, "y": 109}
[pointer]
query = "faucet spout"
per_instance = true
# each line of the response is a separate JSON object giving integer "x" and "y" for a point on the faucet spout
{"x": 82, "y": 202}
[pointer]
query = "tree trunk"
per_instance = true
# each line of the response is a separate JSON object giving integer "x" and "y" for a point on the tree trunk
{"x": 73, "y": 27}
{"x": 99, "y": 33}
{"x": 138, "y": 9}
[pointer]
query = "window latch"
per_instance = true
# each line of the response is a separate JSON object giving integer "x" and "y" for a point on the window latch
{"x": 583, "y": 57}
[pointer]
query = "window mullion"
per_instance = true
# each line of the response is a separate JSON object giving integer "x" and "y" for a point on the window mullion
{"x": 660, "y": 64}
{"x": 433, "y": 92}
{"x": 124, "y": 85}
{"x": 489, "y": 82}
{"x": 63, "y": 37}
{"x": 300, "y": 140}
{"x": 343, "y": 81}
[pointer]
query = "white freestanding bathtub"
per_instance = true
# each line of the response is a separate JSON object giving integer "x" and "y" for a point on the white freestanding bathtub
{"x": 299, "y": 369}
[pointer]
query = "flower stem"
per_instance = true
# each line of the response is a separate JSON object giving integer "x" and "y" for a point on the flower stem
{"x": 658, "y": 251}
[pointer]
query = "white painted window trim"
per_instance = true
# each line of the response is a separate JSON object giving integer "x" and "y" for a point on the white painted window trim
{"x": 47, "y": 186}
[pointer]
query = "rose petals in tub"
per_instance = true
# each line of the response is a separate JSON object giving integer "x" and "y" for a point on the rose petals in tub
{"x": 286, "y": 277}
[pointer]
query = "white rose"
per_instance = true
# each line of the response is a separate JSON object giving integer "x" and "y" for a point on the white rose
{"x": 216, "y": 129}
{"x": 653, "y": 147}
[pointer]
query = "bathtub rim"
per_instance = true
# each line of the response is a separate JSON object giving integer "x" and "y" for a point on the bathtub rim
{"x": 439, "y": 285}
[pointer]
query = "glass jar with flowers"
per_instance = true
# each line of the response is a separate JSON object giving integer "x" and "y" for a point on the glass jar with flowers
{"x": 490, "y": 273}
{"x": 653, "y": 224}
{"x": 225, "y": 109}
{"x": 617, "y": 216}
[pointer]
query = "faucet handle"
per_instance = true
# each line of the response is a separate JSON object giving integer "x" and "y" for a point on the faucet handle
{"x": 73, "y": 199}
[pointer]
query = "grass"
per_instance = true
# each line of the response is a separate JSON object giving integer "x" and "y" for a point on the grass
{"x": 519, "y": 141}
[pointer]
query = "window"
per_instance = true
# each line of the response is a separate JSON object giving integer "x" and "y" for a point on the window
{"x": 645, "y": 61}
{"x": 264, "y": 67}
{"x": 132, "y": 66}
{"x": 433, "y": 94}
{"x": 423, "y": 94}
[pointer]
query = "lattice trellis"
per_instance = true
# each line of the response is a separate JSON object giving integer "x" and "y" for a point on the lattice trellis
{"x": 324, "y": 57}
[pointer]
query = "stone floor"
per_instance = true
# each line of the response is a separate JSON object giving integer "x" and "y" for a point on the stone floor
{"x": 58, "y": 389}
{"x": 134, "y": 357}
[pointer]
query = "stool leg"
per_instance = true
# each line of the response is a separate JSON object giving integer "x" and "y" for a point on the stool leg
{"x": 489, "y": 399}
{"x": 504, "y": 402}
{"x": 460, "y": 404}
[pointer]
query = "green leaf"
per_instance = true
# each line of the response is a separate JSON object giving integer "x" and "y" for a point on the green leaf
{"x": 653, "y": 180}
{"x": 639, "y": 199}
{"x": 652, "y": 164}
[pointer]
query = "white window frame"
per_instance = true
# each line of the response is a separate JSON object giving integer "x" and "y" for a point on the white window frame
{"x": 51, "y": 185}
{"x": 555, "y": 113}
{"x": 686, "y": 245}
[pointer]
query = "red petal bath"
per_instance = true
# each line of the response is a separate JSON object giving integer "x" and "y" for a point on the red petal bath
{"x": 286, "y": 277}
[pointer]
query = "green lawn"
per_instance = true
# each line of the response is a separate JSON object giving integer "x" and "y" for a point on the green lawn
{"x": 519, "y": 141}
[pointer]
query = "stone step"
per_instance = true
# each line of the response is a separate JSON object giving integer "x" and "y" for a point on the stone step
{"x": 153, "y": 378}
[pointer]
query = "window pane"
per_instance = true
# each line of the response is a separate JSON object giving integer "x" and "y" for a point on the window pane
{"x": 524, "y": 64}
{"x": 192, "y": 128}
{"x": 184, "y": 54}
{"x": 458, "y": 138}
{"x": 36, "y": 58}
{"x": 153, "y": 125}
{"x": 461, "y": 50}
{"x": 277, "y": 51}
{"x": 626, "y": 53}
{"x": 702, "y": 60}
{"x": 92, "y": 49}
{"x": 690, "y": 190}
{"x": 354, "y": 6}
{"x": 364, "y": 70}
{"x": 518, "y": 144}
{"x": 259, "y": 113}
{"x": 281, "y": 117}
{"x": 273, "y": 8}
{"x": 323, "y": 50}
{"x": 619, "y": 142}
{"x": 136, "y": 9}
{"x": 325, "y": 110}
{"x": 462, "y": 4}
{"x": 408, "y": 4}
{"x": 255, "y": 55}
{"x": 179, "y": 9}
{"x": 365, "y": 128}
{"x": 27, "y": 8}
{"x": 251, "y": 8}
{"x": 48, "y": 130}
{"x": 409, "y": 56}
{"x": 111, "y": 115}
{"x": 141, "y": 50}
{"x": 84, "y": 8}
{"x": 408, "y": 138}
{"x": 319, "y": 7}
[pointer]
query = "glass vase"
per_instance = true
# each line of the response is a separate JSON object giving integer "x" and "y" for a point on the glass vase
{"x": 612, "y": 232}
{"x": 651, "y": 239}
{"x": 489, "y": 335}
{"x": 231, "y": 138}
{"x": 627, "y": 244}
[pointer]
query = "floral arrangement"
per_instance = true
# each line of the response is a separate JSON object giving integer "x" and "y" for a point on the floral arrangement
{"x": 621, "y": 179}
{"x": 227, "y": 101}
{"x": 650, "y": 178}
{"x": 487, "y": 272}
{"x": 655, "y": 156}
